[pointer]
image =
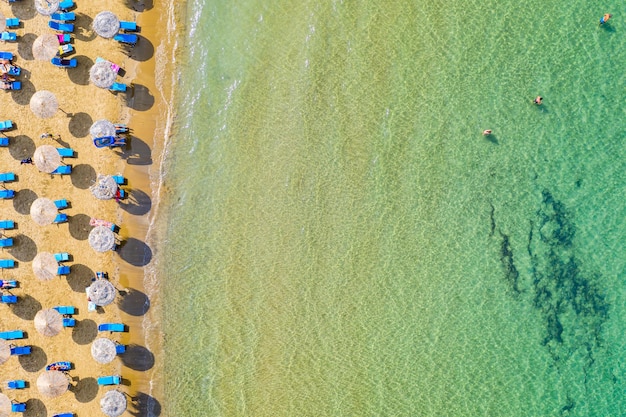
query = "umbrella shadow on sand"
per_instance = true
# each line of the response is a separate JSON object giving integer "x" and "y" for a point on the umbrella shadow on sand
{"x": 21, "y": 147}
{"x": 140, "y": 5}
{"x": 35, "y": 361}
{"x": 84, "y": 176}
{"x": 80, "y": 277}
{"x": 23, "y": 10}
{"x": 138, "y": 358}
{"x": 137, "y": 203}
{"x": 25, "y": 46}
{"x": 26, "y": 307}
{"x": 24, "y": 248}
{"x": 79, "y": 227}
{"x": 24, "y": 95}
{"x": 79, "y": 124}
{"x": 23, "y": 200}
{"x": 85, "y": 390}
{"x": 145, "y": 405}
{"x": 143, "y": 50}
{"x": 135, "y": 252}
{"x": 35, "y": 408}
{"x": 134, "y": 302}
{"x": 141, "y": 98}
{"x": 82, "y": 26}
{"x": 85, "y": 332}
{"x": 137, "y": 152}
{"x": 80, "y": 74}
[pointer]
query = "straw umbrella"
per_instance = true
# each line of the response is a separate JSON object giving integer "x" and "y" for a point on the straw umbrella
{"x": 45, "y": 266}
{"x": 102, "y": 128}
{"x": 3, "y": 22}
{"x": 43, "y": 211}
{"x": 103, "y": 350}
{"x": 47, "y": 158}
{"x": 52, "y": 383}
{"x": 106, "y": 24}
{"x": 105, "y": 187}
{"x": 113, "y": 404}
{"x": 45, "y": 47}
{"x": 49, "y": 322}
{"x": 5, "y": 406}
{"x": 5, "y": 351}
{"x": 46, "y": 7}
{"x": 102, "y": 74}
{"x": 44, "y": 104}
{"x": 101, "y": 239}
{"x": 101, "y": 292}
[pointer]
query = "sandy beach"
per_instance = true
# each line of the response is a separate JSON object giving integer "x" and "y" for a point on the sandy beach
{"x": 81, "y": 103}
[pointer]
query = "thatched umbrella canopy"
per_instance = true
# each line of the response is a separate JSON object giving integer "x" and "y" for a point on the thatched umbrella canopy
{"x": 101, "y": 292}
{"x": 45, "y": 47}
{"x": 101, "y": 128}
{"x": 106, "y": 24}
{"x": 5, "y": 351}
{"x": 53, "y": 383}
{"x": 49, "y": 322}
{"x": 101, "y": 239}
{"x": 113, "y": 404}
{"x": 102, "y": 74}
{"x": 47, "y": 158}
{"x": 45, "y": 266}
{"x": 103, "y": 350}
{"x": 43, "y": 211}
{"x": 5, "y": 406}
{"x": 46, "y": 7}
{"x": 44, "y": 104}
{"x": 3, "y": 22}
{"x": 104, "y": 188}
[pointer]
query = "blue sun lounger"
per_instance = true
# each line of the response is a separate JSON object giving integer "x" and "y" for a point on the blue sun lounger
{"x": 63, "y": 170}
{"x": 60, "y": 218}
{"x": 111, "y": 327}
{"x": 7, "y": 224}
{"x": 59, "y": 366}
{"x": 119, "y": 349}
{"x": 18, "y": 407}
{"x": 61, "y": 27}
{"x": 12, "y": 335}
{"x": 66, "y": 152}
{"x": 118, "y": 87}
{"x": 4, "y": 194}
{"x": 128, "y": 26}
{"x": 109, "y": 380}
{"x": 14, "y": 85}
{"x": 9, "y": 299}
{"x": 65, "y": 17}
{"x": 129, "y": 39}
{"x": 120, "y": 180}
{"x": 7, "y": 176}
{"x": 8, "y": 36}
{"x": 62, "y": 257}
{"x": 6, "y": 243}
{"x": 17, "y": 384}
{"x": 66, "y": 5}
{"x": 13, "y": 22}
{"x": 4, "y": 141}
{"x": 6, "y": 55}
{"x": 64, "y": 415}
{"x": 64, "y": 63}
{"x": 69, "y": 322}
{"x": 20, "y": 350}
{"x": 65, "y": 309}
{"x": 6, "y": 125}
{"x": 61, "y": 204}
{"x": 63, "y": 270}
{"x": 7, "y": 263}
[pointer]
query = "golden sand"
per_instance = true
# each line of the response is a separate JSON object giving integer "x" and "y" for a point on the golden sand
{"x": 81, "y": 103}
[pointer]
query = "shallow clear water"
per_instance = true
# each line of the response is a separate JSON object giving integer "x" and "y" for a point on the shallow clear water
{"x": 343, "y": 241}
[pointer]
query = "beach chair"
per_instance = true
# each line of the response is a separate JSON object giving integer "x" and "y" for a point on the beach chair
{"x": 119, "y": 349}
{"x": 64, "y": 63}
{"x": 18, "y": 407}
{"x": 59, "y": 366}
{"x": 5, "y": 194}
{"x": 61, "y": 27}
{"x": 9, "y": 299}
{"x": 64, "y": 38}
{"x": 4, "y": 141}
{"x": 111, "y": 327}
{"x": 66, "y": 5}
{"x": 65, "y": 49}
{"x": 128, "y": 26}
{"x": 118, "y": 88}
{"x": 61, "y": 204}
{"x": 64, "y": 415}
{"x": 6, "y": 242}
{"x": 66, "y": 152}
{"x": 12, "y": 85}
{"x": 6, "y": 55}
{"x": 62, "y": 257}
{"x": 7, "y": 176}
{"x": 63, "y": 170}
{"x": 7, "y": 263}
{"x": 120, "y": 128}
{"x": 65, "y": 309}
{"x": 6, "y": 125}
{"x": 7, "y": 224}
{"x": 63, "y": 270}
{"x": 17, "y": 384}
{"x": 10, "y": 283}
{"x": 8, "y": 36}
{"x": 69, "y": 322}
{"x": 128, "y": 39}
{"x": 12, "y": 335}
{"x": 60, "y": 218}
{"x": 64, "y": 16}
{"x": 20, "y": 350}
{"x": 109, "y": 141}
{"x": 109, "y": 380}
{"x": 13, "y": 22}
{"x": 119, "y": 179}
{"x": 14, "y": 70}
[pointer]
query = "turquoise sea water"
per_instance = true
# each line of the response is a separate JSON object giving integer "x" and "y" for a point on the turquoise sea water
{"x": 343, "y": 241}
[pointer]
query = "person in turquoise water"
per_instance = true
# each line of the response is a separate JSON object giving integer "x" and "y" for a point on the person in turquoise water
{"x": 538, "y": 100}
{"x": 605, "y": 18}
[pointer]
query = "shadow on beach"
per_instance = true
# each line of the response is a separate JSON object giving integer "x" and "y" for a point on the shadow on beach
{"x": 79, "y": 226}
{"x": 84, "y": 176}
{"x": 145, "y": 406}
{"x": 137, "y": 152}
{"x": 138, "y": 358}
{"x": 23, "y": 200}
{"x": 80, "y": 74}
{"x": 80, "y": 124}
{"x": 85, "y": 390}
{"x": 141, "y": 99}
{"x": 24, "y": 249}
{"x": 140, "y": 5}
{"x": 80, "y": 277}
{"x": 135, "y": 252}
{"x": 85, "y": 332}
{"x": 82, "y": 28}
{"x": 23, "y": 96}
{"x": 137, "y": 203}
{"x": 23, "y": 10}
{"x": 135, "y": 303}
{"x": 143, "y": 51}
{"x": 26, "y": 307}
{"x": 21, "y": 147}
{"x": 25, "y": 46}
{"x": 35, "y": 361}
{"x": 35, "y": 408}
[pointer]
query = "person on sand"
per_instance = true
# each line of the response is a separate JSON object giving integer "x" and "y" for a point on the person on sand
{"x": 605, "y": 18}
{"x": 538, "y": 100}
{"x": 487, "y": 132}
{"x": 26, "y": 161}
